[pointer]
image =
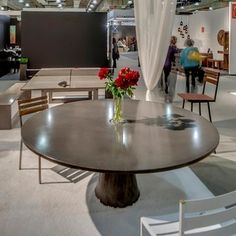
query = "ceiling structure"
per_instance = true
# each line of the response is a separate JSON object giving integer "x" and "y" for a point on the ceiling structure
{"x": 190, "y": 6}
{"x": 183, "y": 6}
{"x": 98, "y": 5}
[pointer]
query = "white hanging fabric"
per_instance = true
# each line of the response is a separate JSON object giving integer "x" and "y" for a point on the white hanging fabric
{"x": 154, "y": 22}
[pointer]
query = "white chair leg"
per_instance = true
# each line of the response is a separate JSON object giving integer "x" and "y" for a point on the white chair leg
{"x": 141, "y": 228}
{"x": 20, "y": 159}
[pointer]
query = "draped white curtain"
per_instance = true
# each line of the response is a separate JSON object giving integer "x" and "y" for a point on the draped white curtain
{"x": 154, "y": 22}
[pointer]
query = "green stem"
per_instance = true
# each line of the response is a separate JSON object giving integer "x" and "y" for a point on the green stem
{"x": 117, "y": 116}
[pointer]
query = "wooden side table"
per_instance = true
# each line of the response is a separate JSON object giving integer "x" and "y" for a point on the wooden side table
{"x": 217, "y": 64}
{"x": 213, "y": 63}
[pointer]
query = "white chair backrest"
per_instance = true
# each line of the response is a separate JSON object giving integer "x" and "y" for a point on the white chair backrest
{"x": 209, "y": 217}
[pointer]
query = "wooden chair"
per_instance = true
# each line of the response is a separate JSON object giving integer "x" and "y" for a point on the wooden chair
{"x": 30, "y": 106}
{"x": 207, "y": 217}
{"x": 211, "y": 77}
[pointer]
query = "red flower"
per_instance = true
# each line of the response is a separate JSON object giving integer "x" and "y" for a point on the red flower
{"x": 103, "y": 73}
{"x": 133, "y": 77}
{"x": 124, "y": 71}
{"x": 127, "y": 78}
{"x": 122, "y": 82}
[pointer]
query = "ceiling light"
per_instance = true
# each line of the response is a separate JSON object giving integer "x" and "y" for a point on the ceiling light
{"x": 21, "y": 1}
{"x": 210, "y": 8}
{"x": 130, "y": 2}
{"x": 95, "y": 2}
{"x": 89, "y": 9}
{"x": 182, "y": 7}
{"x": 92, "y": 6}
{"x": 58, "y": 1}
{"x": 27, "y": 5}
{"x": 233, "y": 93}
{"x": 59, "y": 5}
{"x": 2, "y": 8}
{"x": 196, "y": 3}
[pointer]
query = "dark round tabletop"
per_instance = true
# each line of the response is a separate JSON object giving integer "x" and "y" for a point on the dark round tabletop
{"x": 154, "y": 137}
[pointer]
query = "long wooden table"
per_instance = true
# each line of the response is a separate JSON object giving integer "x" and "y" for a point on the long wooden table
{"x": 49, "y": 80}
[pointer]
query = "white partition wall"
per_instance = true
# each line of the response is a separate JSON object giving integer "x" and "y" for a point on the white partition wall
{"x": 232, "y": 38}
{"x": 203, "y": 29}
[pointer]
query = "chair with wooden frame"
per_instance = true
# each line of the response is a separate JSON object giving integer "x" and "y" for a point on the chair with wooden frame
{"x": 214, "y": 216}
{"x": 211, "y": 77}
{"x": 30, "y": 106}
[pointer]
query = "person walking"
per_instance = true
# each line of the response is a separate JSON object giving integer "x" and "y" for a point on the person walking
{"x": 115, "y": 52}
{"x": 189, "y": 59}
{"x": 170, "y": 59}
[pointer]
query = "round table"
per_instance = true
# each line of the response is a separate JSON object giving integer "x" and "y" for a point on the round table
{"x": 153, "y": 137}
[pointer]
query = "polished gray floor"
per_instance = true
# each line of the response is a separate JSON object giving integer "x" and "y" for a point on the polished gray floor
{"x": 71, "y": 209}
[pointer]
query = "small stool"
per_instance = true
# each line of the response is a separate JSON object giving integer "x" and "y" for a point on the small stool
{"x": 217, "y": 64}
{"x": 214, "y": 63}
{"x": 210, "y": 62}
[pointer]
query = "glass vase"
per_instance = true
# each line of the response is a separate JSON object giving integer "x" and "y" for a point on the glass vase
{"x": 117, "y": 115}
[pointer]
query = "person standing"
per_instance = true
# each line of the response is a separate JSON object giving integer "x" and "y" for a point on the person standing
{"x": 170, "y": 59}
{"x": 189, "y": 59}
{"x": 115, "y": 52}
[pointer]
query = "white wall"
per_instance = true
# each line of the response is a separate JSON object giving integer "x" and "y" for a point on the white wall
{"x": 212, "y": 21}
{"x": 232, "y": 41}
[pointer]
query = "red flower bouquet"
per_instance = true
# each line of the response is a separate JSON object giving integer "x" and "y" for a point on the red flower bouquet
{"x": 124, "y": 84}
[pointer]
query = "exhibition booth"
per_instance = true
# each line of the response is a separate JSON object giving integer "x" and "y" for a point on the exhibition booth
{"x": 213, "y": 33}
{"x": 121, "y": 25}
{"x": 94, "y": 147}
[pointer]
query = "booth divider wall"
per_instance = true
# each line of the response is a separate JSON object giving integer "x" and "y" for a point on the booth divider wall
{"x": 64, "y": 39}
{"x": 4, "y": 30}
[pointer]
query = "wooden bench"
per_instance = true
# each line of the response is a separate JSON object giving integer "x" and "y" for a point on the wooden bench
{"x": 8, "y": 105}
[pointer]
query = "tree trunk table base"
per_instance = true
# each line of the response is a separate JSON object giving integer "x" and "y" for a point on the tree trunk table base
{"x": 117, "y": 190}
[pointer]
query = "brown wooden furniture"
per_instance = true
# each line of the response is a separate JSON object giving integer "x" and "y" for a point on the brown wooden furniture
{"x": 26, "y": 107}
{"x": 223, "y": 40}
{"x": 205, "y": 57}
{"x": 211, "y": 77}
{"x": 213, "y": 63}
{"x": 155, "y": 137}
{"x": 225, "y": 59}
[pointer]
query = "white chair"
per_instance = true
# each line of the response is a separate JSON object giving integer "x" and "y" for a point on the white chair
{"x": 207, "y": 217}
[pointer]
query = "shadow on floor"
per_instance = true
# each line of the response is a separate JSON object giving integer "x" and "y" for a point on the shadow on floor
{"x": 218, "y": 174}
{"x": 226, "y": 127}
{"x": 10, "y": 76}
{"x": 159, "y": 195}
{"x": 73, "y": 175}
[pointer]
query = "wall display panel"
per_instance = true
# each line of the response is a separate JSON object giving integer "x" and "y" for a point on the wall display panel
{"x": 4, "y": 31}
{"x": 64, "y": 39}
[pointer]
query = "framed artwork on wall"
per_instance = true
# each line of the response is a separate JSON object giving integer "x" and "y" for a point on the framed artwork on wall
{"x": 233, "y": 10}
{"x": 12, "y": 34}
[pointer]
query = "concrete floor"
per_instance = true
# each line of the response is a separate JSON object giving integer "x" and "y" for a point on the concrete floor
{"x": 71, "y": 209}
